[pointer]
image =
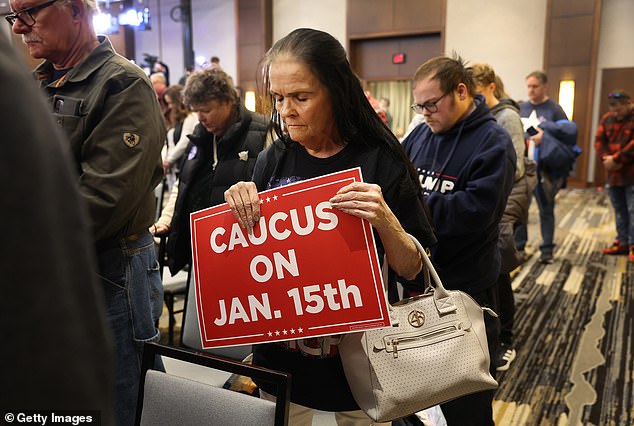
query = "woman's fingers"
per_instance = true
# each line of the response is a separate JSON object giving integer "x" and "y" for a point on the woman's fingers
{"x": 362, "y": 200}
{"x": 244, "y": 202}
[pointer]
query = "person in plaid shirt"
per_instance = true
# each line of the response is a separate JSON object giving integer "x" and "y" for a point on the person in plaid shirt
{"x": 614, "y": 143}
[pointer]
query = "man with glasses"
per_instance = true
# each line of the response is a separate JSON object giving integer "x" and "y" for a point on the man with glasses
{"x": 466, "y": 166}
{"x": 107, "y": 108}
{"x": 614, "y": 143}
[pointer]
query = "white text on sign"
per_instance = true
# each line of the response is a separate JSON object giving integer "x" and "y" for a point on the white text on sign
{"x": 323, "y": 211}
{"x": 312, "y": 299}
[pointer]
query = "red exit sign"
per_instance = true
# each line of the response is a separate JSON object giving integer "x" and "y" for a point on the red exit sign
{"x": 398, "y": 58}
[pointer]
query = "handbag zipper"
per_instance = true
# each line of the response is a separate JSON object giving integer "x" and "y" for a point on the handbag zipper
{"x": 411, "y": 340}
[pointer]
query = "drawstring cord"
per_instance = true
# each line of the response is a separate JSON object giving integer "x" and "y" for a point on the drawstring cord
{"x": 451, "y": 153}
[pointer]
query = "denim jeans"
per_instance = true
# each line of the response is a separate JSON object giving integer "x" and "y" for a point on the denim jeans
{"x": 545, "y": 193}
{"x": 622, "y": 198}
{"x": 134, "y": 301}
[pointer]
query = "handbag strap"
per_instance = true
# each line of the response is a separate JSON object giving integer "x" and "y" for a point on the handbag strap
{"x": 442, "y": 297}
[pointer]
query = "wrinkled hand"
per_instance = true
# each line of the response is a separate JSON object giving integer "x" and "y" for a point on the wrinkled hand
{"x": 363, "y": 200}
{"x": 244, "y": 203}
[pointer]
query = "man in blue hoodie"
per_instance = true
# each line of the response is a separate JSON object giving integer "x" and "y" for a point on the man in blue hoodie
{"x": 466, "y": 165}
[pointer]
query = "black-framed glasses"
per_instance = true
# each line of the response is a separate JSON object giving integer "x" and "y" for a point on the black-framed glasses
{"x": 429, "y": 106}
{"x": 26, "y": 16}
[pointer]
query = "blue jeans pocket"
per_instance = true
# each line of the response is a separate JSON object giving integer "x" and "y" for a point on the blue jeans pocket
{"x": 145, "y": 293}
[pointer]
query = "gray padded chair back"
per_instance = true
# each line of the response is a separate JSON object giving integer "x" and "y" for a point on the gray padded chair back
{"x": 166, "y": 399}
{"x": 190, "y": 333}
{"x": 171, "y": 400}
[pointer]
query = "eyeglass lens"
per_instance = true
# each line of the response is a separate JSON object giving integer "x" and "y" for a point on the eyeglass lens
{"x": 26, "y": 16}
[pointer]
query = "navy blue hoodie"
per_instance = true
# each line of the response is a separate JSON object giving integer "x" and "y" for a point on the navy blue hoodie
{"x": 466, "y": 174}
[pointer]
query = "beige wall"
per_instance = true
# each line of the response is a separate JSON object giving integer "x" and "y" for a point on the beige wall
{"x": 507, "y": 34}
{"x": 325, "y": 15}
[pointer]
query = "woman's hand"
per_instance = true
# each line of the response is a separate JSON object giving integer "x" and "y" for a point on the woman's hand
{"x": 365, "y": 200}
{"x": 244, "y": 203}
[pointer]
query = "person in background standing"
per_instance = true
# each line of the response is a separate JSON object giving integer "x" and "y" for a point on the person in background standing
{"x": 614, "y": 143}
{"x": 159, "y": 83}
{"x": 375, "y": 103}
{"x": 506, "y": 113}
{"x": 161, "y": 67}
{"x": 188, "y": 71}
{"x": 539, "y": 109}
{"x": 181, "y": 124}
{"x": 384, "y": 104}
{"x": 214, "y": 63}
{"x": 105, "y": 106}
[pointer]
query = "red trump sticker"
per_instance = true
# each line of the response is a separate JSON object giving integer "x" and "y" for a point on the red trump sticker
{"x": 306, "y": 270}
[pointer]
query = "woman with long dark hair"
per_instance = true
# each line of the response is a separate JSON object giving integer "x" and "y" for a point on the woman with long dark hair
{"x": 324, "y": 124}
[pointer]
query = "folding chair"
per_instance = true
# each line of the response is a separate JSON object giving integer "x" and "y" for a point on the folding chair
{"x": 165, "y": 399}
{"x": 190, "y": 332}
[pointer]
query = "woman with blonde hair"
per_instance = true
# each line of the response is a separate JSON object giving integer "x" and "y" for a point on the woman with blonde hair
{"x": 506, "y": 113}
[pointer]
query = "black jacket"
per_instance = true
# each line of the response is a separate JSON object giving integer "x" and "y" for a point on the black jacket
{"x": 200, "y": 186}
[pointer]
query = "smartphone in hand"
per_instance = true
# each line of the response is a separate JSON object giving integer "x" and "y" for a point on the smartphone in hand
{"x": 531, "y": 131}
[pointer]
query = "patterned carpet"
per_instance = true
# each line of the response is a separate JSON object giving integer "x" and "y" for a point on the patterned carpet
{"x": 574, "y": 325}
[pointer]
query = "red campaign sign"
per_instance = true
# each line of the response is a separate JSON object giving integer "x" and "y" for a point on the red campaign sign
{"x": 307, "y": 269}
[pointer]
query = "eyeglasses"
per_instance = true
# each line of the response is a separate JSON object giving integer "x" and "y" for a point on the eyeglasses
{"x": 26, "y": 16}
{"x": 429, "y": 106}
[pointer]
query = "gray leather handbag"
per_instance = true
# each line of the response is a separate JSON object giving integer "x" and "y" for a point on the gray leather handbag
{"x": 435, "y": 351}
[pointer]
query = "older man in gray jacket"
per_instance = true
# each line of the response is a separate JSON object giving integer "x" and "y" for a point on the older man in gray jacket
{"x": 108, "y": 110}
